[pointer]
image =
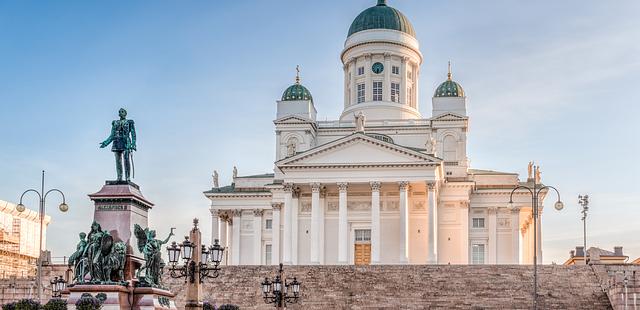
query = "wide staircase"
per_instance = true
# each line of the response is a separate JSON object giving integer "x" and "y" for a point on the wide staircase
{"x": 412, "y": 287}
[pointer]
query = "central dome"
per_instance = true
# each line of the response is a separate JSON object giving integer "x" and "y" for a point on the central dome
{"x": 381, "y": 16}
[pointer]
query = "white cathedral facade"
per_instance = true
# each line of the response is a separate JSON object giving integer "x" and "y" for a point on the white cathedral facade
{"x": 382, "y": 184}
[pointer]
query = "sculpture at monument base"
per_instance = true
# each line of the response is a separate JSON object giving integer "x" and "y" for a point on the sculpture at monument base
{"x": 152, "y": 250}
{"x": 98, "y": 260}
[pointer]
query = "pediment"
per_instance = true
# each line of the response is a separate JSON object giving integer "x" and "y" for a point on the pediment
{"x": 450, "y": 116}
{"x": 360, "y": 150}
{"x": 292, "y": 119}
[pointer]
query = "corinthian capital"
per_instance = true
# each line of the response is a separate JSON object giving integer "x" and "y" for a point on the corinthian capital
{"x": 288, "y": 187}
{"x": 342, "y": 186}
{"x": 404, "y": 185}
{"x": 315, "y": 187}
{"x": 276, "y": 206}
{"x": 375, "y": 186}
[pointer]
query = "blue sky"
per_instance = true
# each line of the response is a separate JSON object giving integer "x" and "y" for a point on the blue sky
{"x": 551, "y": 81}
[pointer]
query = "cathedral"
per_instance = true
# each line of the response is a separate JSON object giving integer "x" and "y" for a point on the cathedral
{"x": 381, "y": 184}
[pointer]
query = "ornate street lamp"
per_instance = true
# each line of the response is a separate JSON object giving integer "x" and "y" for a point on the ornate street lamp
{"x": 535, "y": 191}
{"x": 42, "y": 195}
{"x": 584, "y": 202}
{"x": 279, "y": 292}
{"x": 204, "y": 265}
{"x": 58, "y": 284}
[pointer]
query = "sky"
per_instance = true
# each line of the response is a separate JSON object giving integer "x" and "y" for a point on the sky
{"x": 550, "y": 81}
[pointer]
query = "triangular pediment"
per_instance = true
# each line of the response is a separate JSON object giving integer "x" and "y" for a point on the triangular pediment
{"x": 292, "y": 119}
{"x": 358, "y": 149}
{"x": 450, "y": 116}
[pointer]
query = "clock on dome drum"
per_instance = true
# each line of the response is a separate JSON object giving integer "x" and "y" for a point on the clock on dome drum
{"x": 377, "y": 68}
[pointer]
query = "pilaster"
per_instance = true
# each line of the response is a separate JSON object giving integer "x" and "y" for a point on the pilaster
{"x": 343, "y": 224}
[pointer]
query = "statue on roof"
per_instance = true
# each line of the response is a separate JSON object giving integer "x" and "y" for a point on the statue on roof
{"x": 431, "y": 145}
{"x": 360, "y": 119}
{"x": 123, "y": 143}
{"x": 530, "y": 171}
{"x": 215, "y": 179}
{"x": 235, "y": 172}
{"x": 538, "y": 174}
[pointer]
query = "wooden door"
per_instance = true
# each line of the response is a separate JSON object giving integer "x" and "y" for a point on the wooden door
{"x": 362, "y": 254}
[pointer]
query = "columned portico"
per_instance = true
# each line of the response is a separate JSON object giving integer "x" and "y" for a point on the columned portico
{"x": 404, "y": 222}
{"x": 343, "y": 224}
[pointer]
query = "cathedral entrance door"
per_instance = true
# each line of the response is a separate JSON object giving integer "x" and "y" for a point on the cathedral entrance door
{"x": 362, "y": 247}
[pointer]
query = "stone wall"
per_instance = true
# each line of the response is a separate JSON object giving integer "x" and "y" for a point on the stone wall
{"x": 14, "y": 289}
{"x": 620, "y": 293}
{"x": 412, "y": 287}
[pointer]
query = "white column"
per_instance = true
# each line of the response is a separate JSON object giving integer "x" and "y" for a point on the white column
{"x": 493, "y": 234}
{"x": 432, "y": 245}
{"x": 403, "y": 80}
{"x": 515, "y": 235}
{"x": 404, "y": 222}
{"x": 315, "y": 224}
{"x": 235, "y": 244}
{"x": 539, "y": 236}
{"x": 354, "y": 68}
{"x": 375, "y": 222}
{"x": 224, "y": 243}
{"x": 321, "y": 213}
{"x": 464, "y": 241}
{"x": 368, "y": 85}
{"x": 215, "y": 225}
{"x": 257, "y": 236}
{"x": 294, "y": 225}
{"x": 286, "y": 247}
{"x": 275, "y": 234}
{"x": 343, "y": 224}
{"x": 386, "y": 85}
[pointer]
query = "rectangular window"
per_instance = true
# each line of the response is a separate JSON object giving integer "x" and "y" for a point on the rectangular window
{"x": 360, "y": 70}
{"x": 363, "y": 235}
{"x": 395, "y": 92}
{"x": 395, "y": 70}
{"x": 268, "y": 224}
{"x": 377, "y": 91}
{"x": 267, "y": 254}
{"x": 477, "y": 254}
{"x": 478, "y": 222}
{"x": 360, "y": 93}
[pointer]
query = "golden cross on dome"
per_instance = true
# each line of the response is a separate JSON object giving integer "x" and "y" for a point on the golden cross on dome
{"x": 297, "y": 74}
{"x": 449, "y": 73}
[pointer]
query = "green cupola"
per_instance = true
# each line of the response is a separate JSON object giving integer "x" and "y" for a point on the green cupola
{"x": 381, "y": 16}
{"x": 297, "y": 91}
{"x": 449, "y": 88}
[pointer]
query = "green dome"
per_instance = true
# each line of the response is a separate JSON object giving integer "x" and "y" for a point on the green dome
{"x": 381, "y": 16}
{"x": 449, "y": 88}
{"x": 296, "y": 92}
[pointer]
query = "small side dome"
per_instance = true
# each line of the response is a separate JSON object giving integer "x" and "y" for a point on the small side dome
{"x": 381, "y": 16}
{"x": 297, "y": 91}
{"x": 449, "y": 88}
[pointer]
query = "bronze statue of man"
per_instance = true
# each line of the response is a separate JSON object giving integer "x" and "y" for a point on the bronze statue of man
{"x": 123, "y": 137}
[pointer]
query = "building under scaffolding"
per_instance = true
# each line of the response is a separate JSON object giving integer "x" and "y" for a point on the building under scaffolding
{"x": 19, "y": 241}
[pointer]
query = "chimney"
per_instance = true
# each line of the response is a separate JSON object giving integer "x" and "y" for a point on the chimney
{"x": 572, "y": 253}
{"x": 617, "y": 250}
{"x": 580, "y": 251}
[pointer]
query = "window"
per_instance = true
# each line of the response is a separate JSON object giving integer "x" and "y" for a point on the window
{"x": 267, "y": 254}
{"x": 268, "y": 224}
{"x": 477, "y": 254}
{"x": 395, "y": 92}
{"x": 363, "y": 235}
{"x": 478, "y": 222}
{"x": 395, "y": 70}
{"x": 360, "y": 70}
{"x": 377, "y": 91}
{"x": 360, "y": 93}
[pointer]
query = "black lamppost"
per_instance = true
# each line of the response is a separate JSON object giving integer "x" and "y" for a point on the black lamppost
{"x": 191, "y": 268}
{"x": 584, "y": 202}
{"x": 42, "y": 199}
{"x": 277, "y": 292}
{"x": 535, "y": 191}
{"x": 58, "y": 284}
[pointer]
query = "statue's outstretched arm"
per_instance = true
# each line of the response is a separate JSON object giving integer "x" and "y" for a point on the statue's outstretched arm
{"x": 110, "y": 138}
{"x": 169, "y": 236}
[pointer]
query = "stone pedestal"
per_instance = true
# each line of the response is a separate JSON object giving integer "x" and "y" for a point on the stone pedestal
{"x": 121, "y": 297}
{"x": 118, "y": 206}
{"x": 148, "y": 298}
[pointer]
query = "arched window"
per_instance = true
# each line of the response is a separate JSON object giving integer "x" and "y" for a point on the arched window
{"x": 450, "y": 148}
